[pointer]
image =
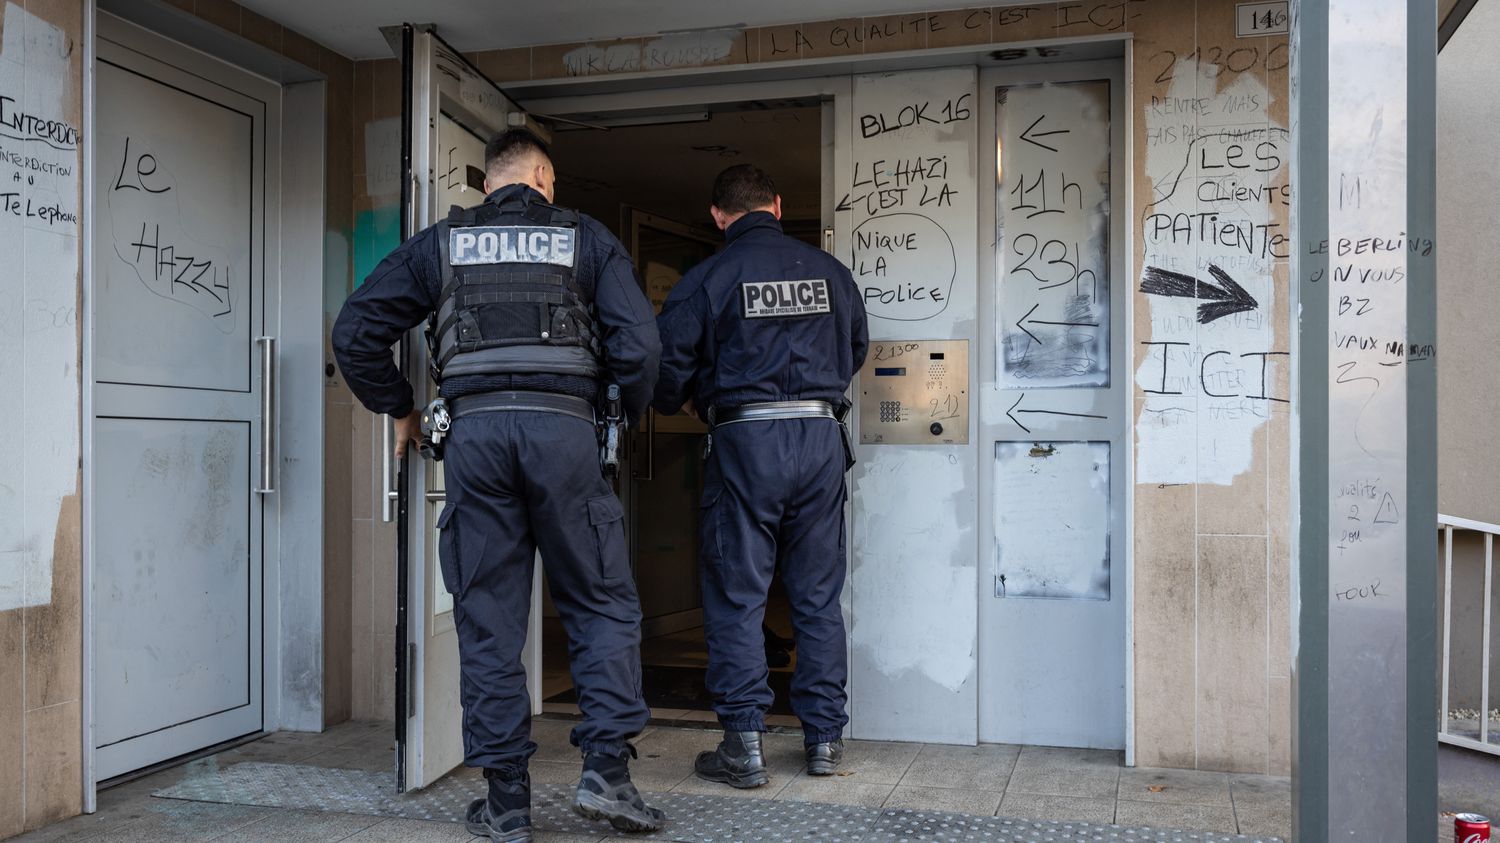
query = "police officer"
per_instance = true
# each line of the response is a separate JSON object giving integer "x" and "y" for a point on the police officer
{"x": 763, "y": 339}
{"x": 531, "y": 307}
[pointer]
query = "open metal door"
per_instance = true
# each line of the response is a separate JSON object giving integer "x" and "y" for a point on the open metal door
{"x": 449, "y": 112}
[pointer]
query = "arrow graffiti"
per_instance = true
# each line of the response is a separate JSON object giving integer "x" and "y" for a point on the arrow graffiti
{"x": 1031, "y": 137}
{"x": 1022, "y": 397}
{"x": 1023, "y": 322}
{"x": 1223, "y": 300}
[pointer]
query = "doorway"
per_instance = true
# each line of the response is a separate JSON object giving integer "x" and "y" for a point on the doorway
{"x": 613, "y": 171}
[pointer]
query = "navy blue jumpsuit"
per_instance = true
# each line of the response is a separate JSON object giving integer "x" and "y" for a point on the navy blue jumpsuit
{"x": 519, "y": 481}
{"x": 773, "y": 495}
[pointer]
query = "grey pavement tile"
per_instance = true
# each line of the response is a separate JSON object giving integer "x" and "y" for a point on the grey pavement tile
{"x": 283, "y": 752}
{"x": 1033, "y": 806}
{"x": 983, "y": 767}
{"x": 552, "y": 738}
{"x": 694, "y": 786}
{"x": 877, "y": 762}
{"x": 184, "y": 821}
{"x": 554, "y": 772}
{"x": 1264, "y": 820}
{"x": 1054, "y": 771}
{"x": 1260, "y": 790}
{"x": 1068, "y": 758}
{"x": 412, "y": 831}
{"x": 1182, "y": 787}
{"x": 311, "y": 826}
{"x": 369, "y": 757}
{"x": 835, "y": 790}
{"x": 562, "y": 837}
{"x": 1086, "y": 783}
{"x": 1189, "y": 817}
{"x": 982, "y": 802}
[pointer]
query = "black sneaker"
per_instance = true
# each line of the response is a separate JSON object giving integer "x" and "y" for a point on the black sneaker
{"x": 505, "y": 816}
{"x": 606, "y": 793}
{"x": 823, "y": 758}
{"x": 738, "y": 762}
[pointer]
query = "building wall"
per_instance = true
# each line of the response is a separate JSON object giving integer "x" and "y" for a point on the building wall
{"x": 1212, "y": 461}
{"x": 1468, "y": 114}
{"x": 41, "y": 107}
{"x": 41, "y": 638}
{"x": 1468, "y": 471}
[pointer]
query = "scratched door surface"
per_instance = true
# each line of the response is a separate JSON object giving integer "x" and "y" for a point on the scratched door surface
{"x": 181, "y": 296}
{"x": 1054, "y": 438}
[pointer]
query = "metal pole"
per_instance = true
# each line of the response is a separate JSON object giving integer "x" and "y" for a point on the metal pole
{"x": 1365, "y": 674}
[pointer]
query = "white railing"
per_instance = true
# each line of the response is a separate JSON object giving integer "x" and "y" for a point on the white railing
{"x": 1456, "y": 727}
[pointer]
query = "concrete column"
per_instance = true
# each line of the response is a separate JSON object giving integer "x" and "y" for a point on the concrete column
{"x": 1365, "y": 736}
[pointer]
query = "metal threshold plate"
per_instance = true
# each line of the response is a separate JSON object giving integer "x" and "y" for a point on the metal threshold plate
{"x": 695, "y": 819}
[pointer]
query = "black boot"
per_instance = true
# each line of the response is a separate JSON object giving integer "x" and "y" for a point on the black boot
{"x": 606, "y": 793}
{"x": 505, "y": 816}
{"x": 738, "y": 762}
{"x": 823, "y": 758}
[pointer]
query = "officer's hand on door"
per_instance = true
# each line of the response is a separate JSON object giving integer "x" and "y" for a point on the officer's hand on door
{"x": 408, "y": 430}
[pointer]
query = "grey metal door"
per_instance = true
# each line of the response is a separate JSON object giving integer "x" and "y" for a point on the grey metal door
{"x": 184, "y": 198}
{"x": 1053, "y": 373}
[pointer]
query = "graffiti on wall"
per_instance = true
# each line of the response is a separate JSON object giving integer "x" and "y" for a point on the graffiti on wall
{"x": 38, "y": 298}
{"x": 1213, "y": 235}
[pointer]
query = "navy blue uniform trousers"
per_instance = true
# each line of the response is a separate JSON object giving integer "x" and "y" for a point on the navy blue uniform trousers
{"x": 518, "y": 482}
{"x": 773, "y": 499}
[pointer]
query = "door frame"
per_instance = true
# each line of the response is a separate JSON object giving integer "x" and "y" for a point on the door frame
{"x": 832, "y": 80}
{"x": 292, "y": 647}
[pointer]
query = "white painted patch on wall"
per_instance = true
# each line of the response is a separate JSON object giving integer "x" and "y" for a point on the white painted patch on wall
{"x": 1051, "y": 510}
{"x": 39, "y": 167}
{"x": 1218, "y": 166}
{"x": 383, "y": 158}
{"x": 904, "y": 525}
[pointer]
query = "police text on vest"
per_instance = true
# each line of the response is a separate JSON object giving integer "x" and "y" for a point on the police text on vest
{"x": 764, "y": 299}
{"x": 482, "y": 244}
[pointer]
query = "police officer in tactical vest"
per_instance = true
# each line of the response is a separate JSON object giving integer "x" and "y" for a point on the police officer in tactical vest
{"x": 763, "y": 339}
{"x": 532, "y": 309}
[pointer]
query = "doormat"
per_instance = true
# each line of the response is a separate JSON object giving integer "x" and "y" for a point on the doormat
{"x": 682, "y": 687}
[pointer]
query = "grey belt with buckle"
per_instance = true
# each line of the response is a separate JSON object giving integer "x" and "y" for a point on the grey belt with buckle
{"x": 512, "y": 400}
{"x": 772, "y": 410}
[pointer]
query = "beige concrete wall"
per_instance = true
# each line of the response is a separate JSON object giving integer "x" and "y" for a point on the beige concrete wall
{"x": 41, "y": 650}
{"x": 1212, "y": 528}
{"x": 1467, "y": 184}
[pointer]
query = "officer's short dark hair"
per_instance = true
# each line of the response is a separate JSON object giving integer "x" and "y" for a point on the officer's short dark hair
{"x": 743, "y": 187}
{"x": 511, "y": 147}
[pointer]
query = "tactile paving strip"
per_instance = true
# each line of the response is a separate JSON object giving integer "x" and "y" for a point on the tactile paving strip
{"x": 694, "y": 818}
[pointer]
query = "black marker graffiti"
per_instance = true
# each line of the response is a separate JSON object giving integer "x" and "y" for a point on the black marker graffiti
{"x": 1228, "y": 298}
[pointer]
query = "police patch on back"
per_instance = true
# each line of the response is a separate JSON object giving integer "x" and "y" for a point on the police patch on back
{"x": 482, "y": 244}
{"x": 767, "y": 299}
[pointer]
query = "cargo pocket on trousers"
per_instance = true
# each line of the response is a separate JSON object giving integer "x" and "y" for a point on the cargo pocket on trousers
{"x": 607, "y": 519}
{"x": 448, "y": 550}
{"x": 708, "y": 524}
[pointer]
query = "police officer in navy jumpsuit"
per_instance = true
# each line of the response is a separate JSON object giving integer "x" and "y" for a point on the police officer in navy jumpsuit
{"x": 763, "y": 339}
{"x": 531, "y": 309}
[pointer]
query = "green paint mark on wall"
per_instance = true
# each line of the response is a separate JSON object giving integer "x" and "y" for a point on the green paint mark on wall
{"x": 376, "y": 232}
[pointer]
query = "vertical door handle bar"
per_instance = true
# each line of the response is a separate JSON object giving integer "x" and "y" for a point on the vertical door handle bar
{"x": 387, "y": 488}
{"x": 267, "y": 484}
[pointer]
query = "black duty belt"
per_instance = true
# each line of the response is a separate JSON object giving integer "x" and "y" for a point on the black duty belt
{"x": 771, "y": 410}
{"x": 512, "y": 400}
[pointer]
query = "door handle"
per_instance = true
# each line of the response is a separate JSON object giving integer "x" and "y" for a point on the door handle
{"x": 388, "y": 493}
{"x": 267, "y": 484}
{"x": 650, "y": 472}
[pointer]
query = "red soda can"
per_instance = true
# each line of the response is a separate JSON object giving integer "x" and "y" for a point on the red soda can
{"x": 1471, "y": 828}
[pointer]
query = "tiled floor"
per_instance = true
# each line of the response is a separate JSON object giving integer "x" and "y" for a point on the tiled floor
{"x": 1025, "y": 782}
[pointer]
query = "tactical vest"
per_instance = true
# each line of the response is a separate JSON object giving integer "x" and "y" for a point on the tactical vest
{"x": 511, "y": 303}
